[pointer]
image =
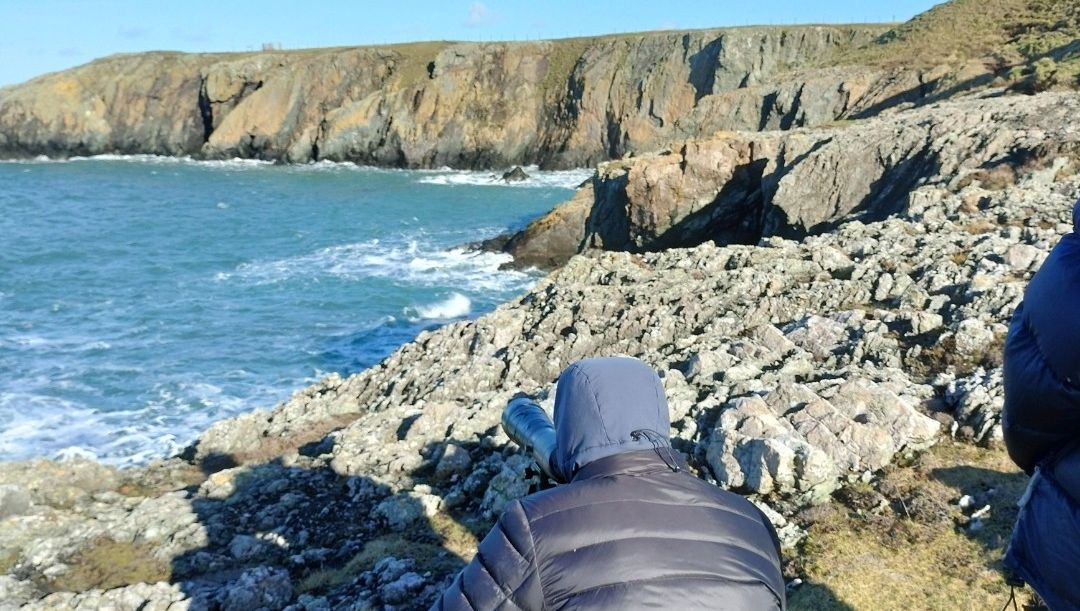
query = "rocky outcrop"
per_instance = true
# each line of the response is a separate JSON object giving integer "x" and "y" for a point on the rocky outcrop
{"x": 792, "y": 369}
{"x": 555, "y": 103}
{"x": 739, "y": 187}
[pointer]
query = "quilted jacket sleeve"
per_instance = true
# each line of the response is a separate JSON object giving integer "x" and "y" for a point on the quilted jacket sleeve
{"x": 1042, "y": 359}
{"x": 503, "y": 573}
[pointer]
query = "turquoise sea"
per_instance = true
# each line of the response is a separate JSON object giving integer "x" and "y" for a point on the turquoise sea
{"x": 143, "y": 298}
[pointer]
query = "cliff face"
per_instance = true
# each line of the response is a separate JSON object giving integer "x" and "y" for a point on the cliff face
{"x": 555, "y": 103}
{"x": 741, "y": 186}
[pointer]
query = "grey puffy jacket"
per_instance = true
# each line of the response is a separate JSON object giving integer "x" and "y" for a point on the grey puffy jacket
{"x": 628, "y": 531}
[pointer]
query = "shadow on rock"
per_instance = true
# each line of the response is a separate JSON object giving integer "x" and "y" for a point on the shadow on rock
{"x": 289, "y": 535}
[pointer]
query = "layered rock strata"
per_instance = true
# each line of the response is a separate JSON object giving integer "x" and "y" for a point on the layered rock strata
{"x": 566, "y": 103}
{"x": 741, "y": 186}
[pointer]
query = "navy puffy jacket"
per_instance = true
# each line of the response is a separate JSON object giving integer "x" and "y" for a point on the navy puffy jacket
{"x": 1042, "y": 359}
{"x": 1042, "y": 426}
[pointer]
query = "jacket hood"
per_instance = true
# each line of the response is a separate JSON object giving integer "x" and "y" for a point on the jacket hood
{"x": 599, "y": 403}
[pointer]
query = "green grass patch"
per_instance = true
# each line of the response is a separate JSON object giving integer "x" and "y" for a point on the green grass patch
{"x": 562, "y": 58}
{"x": 8, "y": 559}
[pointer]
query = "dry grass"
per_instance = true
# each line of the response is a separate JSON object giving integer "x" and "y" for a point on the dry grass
{"x": 272, "y": 448}
{"x": 1012, "y": 31}
{"x": 562, "y": 58}
{"x": 942, "y": 356}
{"x": 979, "y": 227}
{"x": 1032, "y": 45}
{"x": 904, "y": 544}
{"x": 996, "y": 178}
{"x": 104, "y": 564}
{"x": 413, "y": 61}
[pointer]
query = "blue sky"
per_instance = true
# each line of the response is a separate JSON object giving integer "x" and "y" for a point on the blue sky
{"x": 38, "y": 36}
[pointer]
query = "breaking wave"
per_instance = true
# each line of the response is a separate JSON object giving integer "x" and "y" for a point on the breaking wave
{"x": 454, "y": 306}
{"x": 412, "y": 263}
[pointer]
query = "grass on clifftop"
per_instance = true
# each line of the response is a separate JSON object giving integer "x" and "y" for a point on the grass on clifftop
{"x": 1039, "y": 38}
{"x": 905, "y": 543}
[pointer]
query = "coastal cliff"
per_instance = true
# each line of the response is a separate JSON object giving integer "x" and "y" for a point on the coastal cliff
{"x": 565, "y": 103}
{"x": 740, "y": 187}
{"x": 556, "y": 103}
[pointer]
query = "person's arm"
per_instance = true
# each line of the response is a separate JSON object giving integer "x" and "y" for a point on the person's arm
{"x": 503, "y": 573}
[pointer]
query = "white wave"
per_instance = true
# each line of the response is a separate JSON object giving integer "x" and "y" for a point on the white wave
{"x": 73, "y": 343}
{"x": 34, "y": 424}
{"x": 411, "y": 263}
{"x": 29, "y": 341}
{"x": 559, "y": 179}
{"x": 454, "y": 306}
{"x": 234, "y": 163}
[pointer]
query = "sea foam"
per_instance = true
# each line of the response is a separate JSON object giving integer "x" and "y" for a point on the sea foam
{"x": 454, "y": 306}
{"x": 559, "y": 179}
{"x": 413, "y": 262}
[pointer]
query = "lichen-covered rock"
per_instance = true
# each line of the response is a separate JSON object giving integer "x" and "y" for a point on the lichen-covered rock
{"x": 976, "y": 401}
{"x": 404, "y": 509}
{"x": 14, "y": 501}
{"x": 795, "y": 443}
{"x": 59, "y": 484}
{"x": 136, "y": 597}
{"x": 258, "y": 588}
{"x": 508, "y": 485}
{"x": 455, "y": 461}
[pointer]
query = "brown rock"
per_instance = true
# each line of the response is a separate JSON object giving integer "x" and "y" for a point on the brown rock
{"x": 739, "y": 187}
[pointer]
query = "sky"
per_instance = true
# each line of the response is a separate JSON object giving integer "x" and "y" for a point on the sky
{"x": 39, "y": 36}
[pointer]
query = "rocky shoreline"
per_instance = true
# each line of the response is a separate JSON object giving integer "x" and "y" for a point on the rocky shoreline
{"x": 819, "y": 257}
{"x": 796, "y": 371}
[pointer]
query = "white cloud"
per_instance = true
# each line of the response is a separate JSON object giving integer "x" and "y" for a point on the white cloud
{"x": 479, "y": 15}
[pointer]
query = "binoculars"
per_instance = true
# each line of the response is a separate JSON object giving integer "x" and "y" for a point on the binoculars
{"x": 528, "y": 425}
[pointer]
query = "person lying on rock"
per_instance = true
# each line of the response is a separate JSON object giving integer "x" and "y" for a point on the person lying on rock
{"x": 1041, "y": 423}
{"x": 631, "y": 528}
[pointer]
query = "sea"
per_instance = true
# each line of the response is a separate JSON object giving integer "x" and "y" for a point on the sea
{"x": 143, "y": 298}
